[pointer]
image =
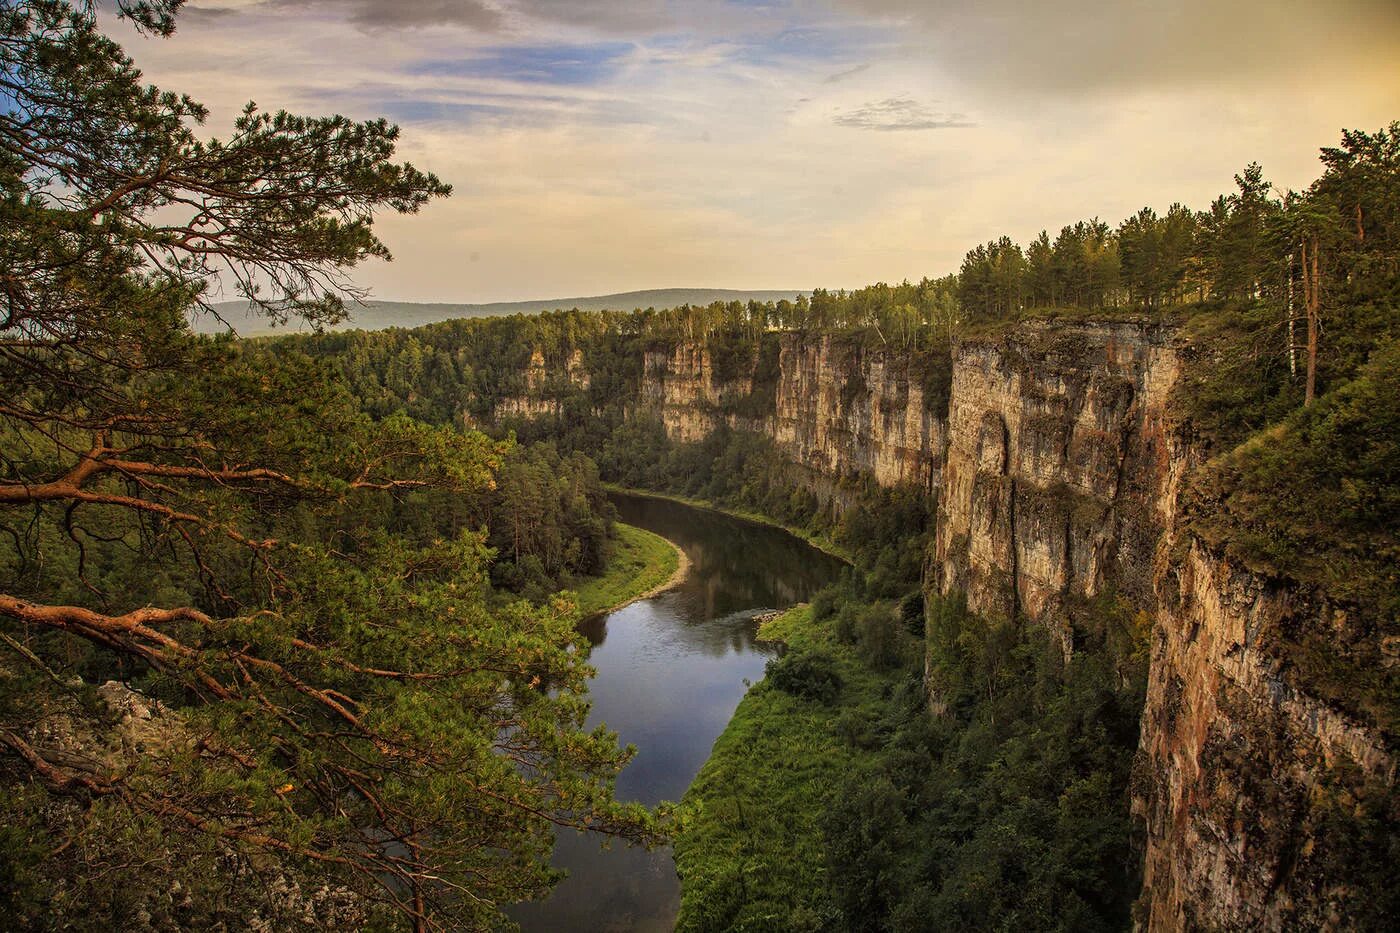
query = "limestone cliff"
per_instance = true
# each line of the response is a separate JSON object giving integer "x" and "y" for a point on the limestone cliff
{"x": 840, "y": 411}
{"x": 1056, "y": 464}
{"x": 1061, "y": 478}
{"x": 850, "y": 411}
{"x": 544, "y": 389}
{"x": 1238, "y": 765}
{"x": 681, "y": 387}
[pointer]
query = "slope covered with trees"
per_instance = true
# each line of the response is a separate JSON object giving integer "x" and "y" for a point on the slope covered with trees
{"x": 344, "y": 688}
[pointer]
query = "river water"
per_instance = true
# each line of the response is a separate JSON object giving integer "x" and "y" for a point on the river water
{"x": 671, "y": 670}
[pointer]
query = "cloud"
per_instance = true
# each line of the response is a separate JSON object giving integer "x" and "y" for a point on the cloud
{"x": 602, "y": 146}
{"x": 612, "y": 17}
{"x": 900, "y": 113}
{"x": 206, "y": 13}
{"x": 547, "y": 64}
{"x": 1089, "y": 45}
{"x": 410, "y": 14}
{"x": 848, "y": 73}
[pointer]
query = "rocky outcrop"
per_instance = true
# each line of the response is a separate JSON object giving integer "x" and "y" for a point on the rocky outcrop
{"x": 681, "y": 388}
{"x": 839, "y": 410}
{"x": 1052, "y": 484}
{"x": 545, "y": 389}
{"x": 1239, "y": 767}
{"x": 847, "y": 411}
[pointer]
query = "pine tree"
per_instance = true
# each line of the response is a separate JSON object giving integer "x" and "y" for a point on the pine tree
{"x": 202, "y": 520}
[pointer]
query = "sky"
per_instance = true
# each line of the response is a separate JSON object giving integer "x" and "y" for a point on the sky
{"x": 599, "y": 146}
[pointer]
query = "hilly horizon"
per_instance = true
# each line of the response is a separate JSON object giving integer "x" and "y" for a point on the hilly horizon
{"x": 383, "y": 314}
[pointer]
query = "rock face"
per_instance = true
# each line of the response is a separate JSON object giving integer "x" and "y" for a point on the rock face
{"x": 838, "y": 411}
{"x": 1056, "y": 461}
{"x": 847, "y": 412}
{"x": 1237, "y": 764}
{"x": 1056, "y": 467}
{"x": 682, "y": 388}
{"x": 543, "y": 389}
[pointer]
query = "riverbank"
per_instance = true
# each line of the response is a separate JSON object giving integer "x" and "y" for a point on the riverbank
{"x": 820, "y": 542}
{"x": 642, "y": 565}
{"x": 752, "y": 847}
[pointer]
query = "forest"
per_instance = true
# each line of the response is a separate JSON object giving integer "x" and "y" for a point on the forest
{"x": 294, "y": 613}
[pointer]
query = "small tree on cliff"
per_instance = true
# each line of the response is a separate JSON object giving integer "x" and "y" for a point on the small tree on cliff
{"x": 183, "y": 514}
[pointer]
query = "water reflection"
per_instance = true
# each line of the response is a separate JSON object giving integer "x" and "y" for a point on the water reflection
{"x": 671, "y": 669}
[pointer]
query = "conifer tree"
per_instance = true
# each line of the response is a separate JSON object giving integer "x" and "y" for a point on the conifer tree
{"x": 338, "y": 704}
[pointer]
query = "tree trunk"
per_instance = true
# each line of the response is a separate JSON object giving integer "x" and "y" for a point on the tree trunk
{"x": 1292, "y": 320}
{"x": 1314, "y": 301}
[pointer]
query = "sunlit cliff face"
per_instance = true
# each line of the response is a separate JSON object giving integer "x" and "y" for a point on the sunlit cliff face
{"x": 604, "y": 146}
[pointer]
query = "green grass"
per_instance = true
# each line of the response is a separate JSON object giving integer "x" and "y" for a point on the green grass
{"x": 818, "y": 541}
{"x": 641, "y": 561}
{"x": 750, "y": 848}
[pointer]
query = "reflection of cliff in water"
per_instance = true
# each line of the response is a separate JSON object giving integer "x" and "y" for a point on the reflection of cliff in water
{"x": 736, "y": 565}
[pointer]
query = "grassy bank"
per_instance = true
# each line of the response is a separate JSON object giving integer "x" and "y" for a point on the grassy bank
{"x": 751, "y": 852}
{"x": 641, "y": 564}
{"x": 818, "y": 541}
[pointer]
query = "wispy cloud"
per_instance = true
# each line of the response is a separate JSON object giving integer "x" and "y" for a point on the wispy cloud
{"x": 900, "y": 113}
{"x": 848, "y": 73}
{"x": 559, "y": 64}
{"x": 1079, "y": 46}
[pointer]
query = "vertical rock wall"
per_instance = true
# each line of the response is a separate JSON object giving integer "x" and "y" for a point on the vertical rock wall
{"x": 1238, "y": 766}
{"x": 842, "y": 412}
{"x": 839, "y": 411}
{"x": 1056, "y": 461}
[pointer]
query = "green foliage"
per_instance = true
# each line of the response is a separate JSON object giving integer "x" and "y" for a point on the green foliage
{"x": 638, "y": 563}
{"x": 334, "y": 700}
{"x": 810, "y": 675}
{"x": 1009, "y": 808}
{"x": 750, "y": 854}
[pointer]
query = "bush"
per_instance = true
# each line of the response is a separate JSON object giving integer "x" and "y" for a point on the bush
{"x": 911, "y": 613}
{"x": 881, "y": 637}
{"x": 811, "y": 676}
{"x": 846, "y": 628}
{"x": 824, "y": 603}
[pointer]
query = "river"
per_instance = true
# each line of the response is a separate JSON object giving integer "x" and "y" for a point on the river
{"x": 671, "y": 670}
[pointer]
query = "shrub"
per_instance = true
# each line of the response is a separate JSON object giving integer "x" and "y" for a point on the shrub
{"x": 811, "y": 676}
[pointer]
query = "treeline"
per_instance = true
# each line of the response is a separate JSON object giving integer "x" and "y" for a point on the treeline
{"x": 460, "y": 370}
{"x": 1300, "y": 283}
{"x": 1254, "y": 242}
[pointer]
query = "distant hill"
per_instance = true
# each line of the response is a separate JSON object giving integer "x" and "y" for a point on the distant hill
{"x": 378, "y": 315}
